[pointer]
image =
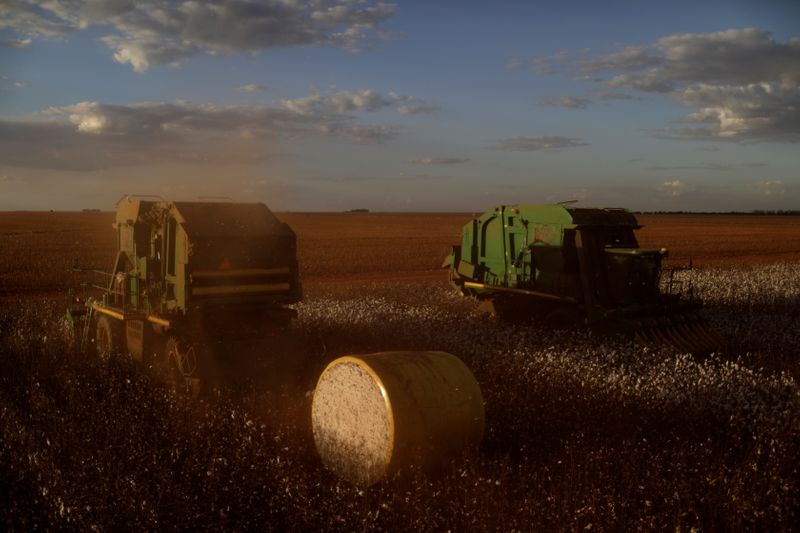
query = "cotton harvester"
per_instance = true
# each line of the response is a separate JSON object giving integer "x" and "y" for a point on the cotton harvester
{"x": 187, "y": 276}
{"x": 566, "y": 266}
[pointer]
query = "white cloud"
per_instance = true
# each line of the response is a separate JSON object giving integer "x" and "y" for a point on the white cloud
{"x": 16, "y": 43}
{"x": 771, "y": 187}
{"x": 674, "y": 188}
{"x": 757, "y": 111}
{"x": 251, "y": 88}
{"x": 366, "y": 100}
{"x": 342, "y": 102}
{"x": 152, "y": 32}
{"x": 94, "y": 135}
{"x": 744, "y": 85}
{"x": 440, "y": 160}
{"x": 7, "y": 83}
{"x": 537, "y": 143}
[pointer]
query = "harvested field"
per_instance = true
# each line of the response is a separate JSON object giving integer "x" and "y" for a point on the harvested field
{"x": 336, "y": 247}
{"x": 582, "y": 431}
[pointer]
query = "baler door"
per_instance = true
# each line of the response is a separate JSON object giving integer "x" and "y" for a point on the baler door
{"x": 519, "y": 256}
{"x": 492, "y": 252}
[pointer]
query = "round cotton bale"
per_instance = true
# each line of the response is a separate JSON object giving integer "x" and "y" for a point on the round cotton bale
{"x": 374, "y": 415}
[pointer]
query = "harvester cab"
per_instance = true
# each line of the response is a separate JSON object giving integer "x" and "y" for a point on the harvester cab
{"x": 567, "y": 265}
{"x": 190, "y": 274}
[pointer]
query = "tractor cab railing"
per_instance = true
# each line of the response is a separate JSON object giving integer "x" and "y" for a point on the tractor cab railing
{"x": 670, "y": 284}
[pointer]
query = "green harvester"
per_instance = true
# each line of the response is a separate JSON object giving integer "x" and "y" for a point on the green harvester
{"x": 187, "y": 276}
{"x": 569, "y": 266}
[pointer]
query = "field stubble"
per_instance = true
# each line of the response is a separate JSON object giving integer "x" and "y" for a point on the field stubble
{"x": 582, "y": 431}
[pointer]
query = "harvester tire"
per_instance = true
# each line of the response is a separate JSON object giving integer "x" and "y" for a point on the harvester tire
{"x": 106, "y": 338}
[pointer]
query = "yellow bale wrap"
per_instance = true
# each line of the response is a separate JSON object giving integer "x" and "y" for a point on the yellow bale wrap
{"x": 376, "y": 414}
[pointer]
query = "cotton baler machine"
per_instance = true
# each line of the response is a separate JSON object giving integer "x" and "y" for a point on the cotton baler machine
{"x": 566, "y": 265}
{"x": 187, "y": 276}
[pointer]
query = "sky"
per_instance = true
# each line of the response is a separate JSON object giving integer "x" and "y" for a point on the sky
{"x": 330, "y": 105}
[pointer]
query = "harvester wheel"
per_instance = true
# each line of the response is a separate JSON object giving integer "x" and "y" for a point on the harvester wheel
{"x": 106, "y": 338}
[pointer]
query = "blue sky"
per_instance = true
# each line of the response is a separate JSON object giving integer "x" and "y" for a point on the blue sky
{"x": 412, "y": 106}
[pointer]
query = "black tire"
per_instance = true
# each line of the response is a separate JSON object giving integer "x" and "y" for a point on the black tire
{"x": 107, "y": 338}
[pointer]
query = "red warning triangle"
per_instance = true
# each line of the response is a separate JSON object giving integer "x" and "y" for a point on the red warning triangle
{"x": 225, "y": 265}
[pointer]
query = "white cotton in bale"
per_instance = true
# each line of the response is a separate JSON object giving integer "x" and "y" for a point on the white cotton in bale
{"x": 377, "y": 414}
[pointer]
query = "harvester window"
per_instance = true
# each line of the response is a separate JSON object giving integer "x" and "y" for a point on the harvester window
{"x": 173, "y": 226}
{"x": 570, "y": 252}
{"x": 619, "y": 236}
{"x": 484, "y": 227}
{"x": 141, "y": 239}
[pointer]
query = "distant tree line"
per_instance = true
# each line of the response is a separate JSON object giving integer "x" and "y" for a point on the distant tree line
{"x": 782, "y": 212}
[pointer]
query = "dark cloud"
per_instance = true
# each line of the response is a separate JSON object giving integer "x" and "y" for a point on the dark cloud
{"x": 152, "y": 32}
{"x": 537, "y": 143}
{"x": 93, "y": 135}
{"x": 440, "y": 160}
{"x": 566, "y": 101}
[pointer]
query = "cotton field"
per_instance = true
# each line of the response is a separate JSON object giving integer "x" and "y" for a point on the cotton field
{"x": 584, "y": 431}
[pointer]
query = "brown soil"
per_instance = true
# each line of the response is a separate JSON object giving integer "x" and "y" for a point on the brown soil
{"x": 38, "y": 248}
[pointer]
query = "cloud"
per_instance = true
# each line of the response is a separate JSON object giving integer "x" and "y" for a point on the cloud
{"x": 771, "y": 187}
{"x": 7, "y": 83}
{"x": 515, "y": 63}
{"x": 758, "y": 111}
{"x": 543, "y": 65}
{"x": 152, "y": 32}
{"x": 421, "y": 109}
{"x": 251, "y": 88}
{"x": 743, "y": 84}
{"x": 95, "y": 135}
{"x": 626, "y": 58}
{"x": 537, "y": 143}
{"x": 709, "y": 166}
{"x": 343, "y": 102}
{"x": 569, "y": 102}
{"x": 16, "y": 43}
{"x": 674, "y": 188}
{"x": 613, "y": 95}
{"x": 440, "y": 160}
{"x": 346, "y": 101}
